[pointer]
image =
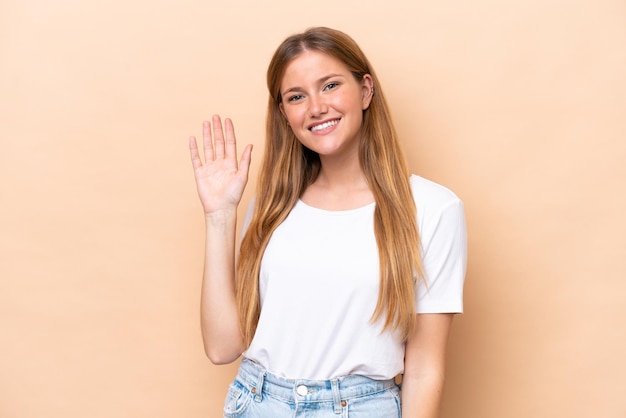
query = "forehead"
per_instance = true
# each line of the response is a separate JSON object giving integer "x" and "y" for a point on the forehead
{"x": 310, "y": 66}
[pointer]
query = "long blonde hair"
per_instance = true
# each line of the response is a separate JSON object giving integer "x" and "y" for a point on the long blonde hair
{"x": 288, "y": 168}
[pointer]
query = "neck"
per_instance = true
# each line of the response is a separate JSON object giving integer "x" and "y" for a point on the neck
{"x": 340, "y": 185}
{"x": 341, "y": 174}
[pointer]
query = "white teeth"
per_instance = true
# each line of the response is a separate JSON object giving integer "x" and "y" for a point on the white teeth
{"x": 324, "y": 125}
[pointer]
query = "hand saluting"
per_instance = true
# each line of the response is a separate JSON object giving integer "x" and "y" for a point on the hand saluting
{"x": 220, "y": 180}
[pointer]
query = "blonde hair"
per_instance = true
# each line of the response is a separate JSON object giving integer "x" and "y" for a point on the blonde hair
{"x": 288, "y": 168}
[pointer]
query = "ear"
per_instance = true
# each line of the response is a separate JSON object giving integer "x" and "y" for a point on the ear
{"x": 367, "y": 88}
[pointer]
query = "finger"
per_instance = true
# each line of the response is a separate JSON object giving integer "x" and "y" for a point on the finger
{"x": 206, "y": 141}
{"x": 244, "y": 162}
{"x": 193, "y": 151}
{"x": 218, "y": 137}
{"x": 231, "y": 141}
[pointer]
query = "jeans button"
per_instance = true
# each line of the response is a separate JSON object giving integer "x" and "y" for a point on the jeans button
{"x": 302, "y": 390}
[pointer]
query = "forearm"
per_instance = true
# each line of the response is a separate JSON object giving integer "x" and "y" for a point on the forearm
{"x": 421, "y": 395}
{"x": 424, "y": 366}
{"x": 219, "y": 318}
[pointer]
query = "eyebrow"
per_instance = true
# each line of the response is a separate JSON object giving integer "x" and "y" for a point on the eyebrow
{"x": 319, "y": 81}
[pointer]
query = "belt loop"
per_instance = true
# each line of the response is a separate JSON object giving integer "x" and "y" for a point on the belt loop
{"x": 258, "y": 389}
{"x": 334, "y": 384}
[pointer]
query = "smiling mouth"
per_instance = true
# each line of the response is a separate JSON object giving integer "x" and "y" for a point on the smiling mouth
{"x": 324, "y": 125}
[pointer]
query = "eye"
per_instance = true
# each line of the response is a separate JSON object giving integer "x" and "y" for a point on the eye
{"x": 331, "y": 85}
{"x": 294, "y": 98}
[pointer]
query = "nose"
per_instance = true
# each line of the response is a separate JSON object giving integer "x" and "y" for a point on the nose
{"x": 317, "y": 106}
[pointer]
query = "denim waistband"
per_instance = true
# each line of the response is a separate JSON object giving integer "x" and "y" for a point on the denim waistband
{"x": 301, "y": 390}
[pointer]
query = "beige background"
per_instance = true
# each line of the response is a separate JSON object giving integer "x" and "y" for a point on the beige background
{"x": 518, "y": 106}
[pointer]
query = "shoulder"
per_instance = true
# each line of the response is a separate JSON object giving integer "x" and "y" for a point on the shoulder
{"x": 430, "y": 196}
{"x": 440, "y": 212}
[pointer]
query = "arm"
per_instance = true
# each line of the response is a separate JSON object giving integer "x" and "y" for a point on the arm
{"x": 424, "y": 366}
{"x": 220, "y": 181}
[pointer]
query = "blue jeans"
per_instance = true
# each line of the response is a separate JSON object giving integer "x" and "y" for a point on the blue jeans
{"x": 255, "y": 393}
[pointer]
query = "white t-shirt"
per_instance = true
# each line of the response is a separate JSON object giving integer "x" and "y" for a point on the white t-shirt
{"x": 319, "y": 284}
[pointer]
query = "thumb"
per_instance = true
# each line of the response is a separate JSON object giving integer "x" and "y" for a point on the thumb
{"x": 244, "y": 162}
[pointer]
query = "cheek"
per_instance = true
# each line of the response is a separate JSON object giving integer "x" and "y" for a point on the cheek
{"x": 293, "y": 119}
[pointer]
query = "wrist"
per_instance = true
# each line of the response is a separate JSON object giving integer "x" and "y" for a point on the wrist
{"x": 220, "y": 216}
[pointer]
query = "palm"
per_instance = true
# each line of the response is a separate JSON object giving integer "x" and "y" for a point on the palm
{"x": 221, "y": 179}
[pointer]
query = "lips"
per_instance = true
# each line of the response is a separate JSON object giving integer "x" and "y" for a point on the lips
{"x": 324, "y": 125}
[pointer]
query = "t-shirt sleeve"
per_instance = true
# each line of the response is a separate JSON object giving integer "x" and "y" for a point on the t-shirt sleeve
{"x": 444, "y": 258}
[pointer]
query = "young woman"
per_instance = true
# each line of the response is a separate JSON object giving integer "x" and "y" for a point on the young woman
{"x": 350, "y": 269}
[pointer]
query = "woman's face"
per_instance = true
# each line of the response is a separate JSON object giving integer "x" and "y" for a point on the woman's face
{"x": 324, "y": 104}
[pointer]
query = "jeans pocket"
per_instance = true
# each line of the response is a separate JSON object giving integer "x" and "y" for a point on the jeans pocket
{"x": 398, "y": 397}
{"x": 384, "y": 404}
{"x": 237, "y": 400}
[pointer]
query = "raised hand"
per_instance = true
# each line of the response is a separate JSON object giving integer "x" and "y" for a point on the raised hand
{"x": 220, "y": 180}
